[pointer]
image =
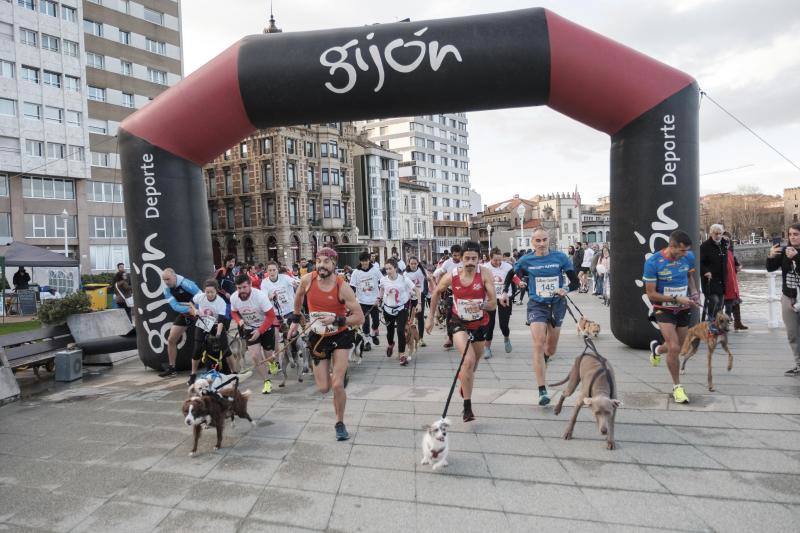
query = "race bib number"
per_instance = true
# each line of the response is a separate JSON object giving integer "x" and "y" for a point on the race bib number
{"x": 206, "y": 322}
{"x": 546, "y": 287}
{"x": 367, "y": 286}
{"x": 282, "y": 297}
{"x": 674, "y": 292}
{"x": 469, "y": 310}
{"x": 498, "y": 286}
{"x": 251, "y": 318}
{"x": 319, "y": 328}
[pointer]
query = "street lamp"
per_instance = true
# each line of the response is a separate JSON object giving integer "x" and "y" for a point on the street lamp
{"x": 521, "y": 215}
{"x": 489, "y": 231}
{"x": 65, "y": 216}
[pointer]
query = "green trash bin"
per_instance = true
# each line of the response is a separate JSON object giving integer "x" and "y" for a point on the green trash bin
{"x": 98, "y": 295}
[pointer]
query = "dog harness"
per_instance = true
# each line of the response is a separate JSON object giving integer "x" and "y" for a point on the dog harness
{"x": 591, "y": 351}
{"x": 435, "y": 453}
{"x": 713, "y": 329}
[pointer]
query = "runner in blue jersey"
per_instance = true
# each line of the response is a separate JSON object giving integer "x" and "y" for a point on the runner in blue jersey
{"x": 672, "y": 289}
{"x": 545, "y": 270}
{"x": 178, "y": 292}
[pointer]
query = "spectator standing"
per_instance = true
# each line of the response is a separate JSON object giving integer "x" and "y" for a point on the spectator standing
{"x": 21, "y": 279}
{"x": 586, "y": 266}
{"x": 732, "y": 297}
{"x": 713, "y": 270}
{"x": 787, "y": 260}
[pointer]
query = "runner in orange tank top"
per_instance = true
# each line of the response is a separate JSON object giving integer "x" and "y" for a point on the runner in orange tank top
{"x": 333, "y": 312}
{"x": 473, "y": 296}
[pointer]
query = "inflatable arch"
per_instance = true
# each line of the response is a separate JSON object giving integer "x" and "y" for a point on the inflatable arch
{"x": 519, "y": 58}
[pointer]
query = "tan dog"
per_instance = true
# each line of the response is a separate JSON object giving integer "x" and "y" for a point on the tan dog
{"x": 412, "y": 336}
{"x": 588, "y": 328}
{"x": 713, "y": 333}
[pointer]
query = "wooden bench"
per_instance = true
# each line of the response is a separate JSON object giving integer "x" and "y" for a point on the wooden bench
{"x": 34, "y": 349}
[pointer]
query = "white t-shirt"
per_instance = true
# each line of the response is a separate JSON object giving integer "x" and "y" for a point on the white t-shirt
{"x": 208, "y": 310}
{"x": 417, "y": 277}
{"x": 447, "y": 266}
{"x": 401, "y": 265}
{"x": 366, "y": 284}
{"x": 396, "y": 292}
{"x": 588, "y": 254}
{"x": 282, "y": 289}
{"x": 253, "y": 310}
{"x": 499, "y": 276}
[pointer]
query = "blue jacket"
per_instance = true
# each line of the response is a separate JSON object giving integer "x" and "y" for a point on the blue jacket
{"x": 179, "y": 296}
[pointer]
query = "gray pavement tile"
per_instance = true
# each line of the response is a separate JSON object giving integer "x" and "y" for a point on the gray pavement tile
{"x": 438, "y": 518}
{"x": 515, "y": 445}
{"x": 323, "y": 432}
{"x": 735, "y": 438}
{"x": 443, "y": 489}
{"x": 611, "y": 475}
{"x": 290, "y": 414}
{"x": 179, "y": 521}
{"x": 388, "y": 420}
{"x": 308, "y": 475}
{"x": 465, "y": 442}
{"x": 163, "y": 437}
{"x": 123, "y": 517}
{"x": 527, "y": 468}
{"x": 386, "y": 457}
{"x": 781, "y": 440}
{"x": 358, "y": 514}
{"x": 277, "y": 429}
{"x": 782, "y": 488}
{"x": 378, "y": 483}
{"x": 135, "y": 457}
{"x": 461, "y": 463}
{"x": 288, "y": 507}
{"x": 503, "y": 426}
{"x": 544, "y": 500}
{"x": 594, "y": 450}
{"x": 238, "y": 468}
{"x": 724, "y": 484}
{"x": 386, "y": 437}
{"x": 742, "y": 516}
{"x": 158, "y": 488}
{"x": 646, "y": 433}
{"x": 34, "y": 508}
{"x": 527, "y": 523}
{"x": 764, "y": 404}
{"x": 755, "y": 460}
{"x": 330, "y": 452}
{"x": 650, "y": 453}
{"x": 394, "y": 406}
{"x": 265, "y": 448}
{"x": 693, "y": 418}
{"x": 98, "y": 481}
{"x": 179, "y": 462}
{"x": 234, "y": 499}
{"x": 643, "y": 509}
{"x": 44, "y": 475}
{"x": 110, "y": 433}
{"x": 555, "y": 427}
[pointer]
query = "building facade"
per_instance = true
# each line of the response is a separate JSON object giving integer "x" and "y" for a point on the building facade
{"x": 282, "y": 193}
{"x": 595, "y": 226}
{"x": 416, "y": 221}
{"x": 791, "y": 206}
{"x": 435, "y": 150}
{"x": 566, "y": 210}
{"x": 70, "y": 72}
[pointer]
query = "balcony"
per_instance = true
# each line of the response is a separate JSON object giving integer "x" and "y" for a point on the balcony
{"x": 332, "y": 223}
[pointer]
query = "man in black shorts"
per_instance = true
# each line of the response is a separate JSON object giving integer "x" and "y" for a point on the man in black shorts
{"x": 178, "y": 292}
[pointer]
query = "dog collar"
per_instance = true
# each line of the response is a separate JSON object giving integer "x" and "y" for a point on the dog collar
{"x": 713, "y": 329}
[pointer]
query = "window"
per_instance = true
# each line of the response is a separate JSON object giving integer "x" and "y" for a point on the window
{"x": 104, "y": 191}
{"x": 214, "y": 218}
{"x": 54, "y": 114}
{"x": 229, "y": 218}
{"x": 32, "y": 111}
{"x": 8, "y": 107}
{"x": 71, "y": 83}
{"x": 157, "y": 76}
{"x": 243, "y": 149}
{"x": 107, "y": 228}
{"x": 245, "y": 178}
{"x": 6, "y": 31}
{"x": 226, "y": 172}
{"x": 266, "y": 176}
{"x": 53, "y": 79}
{"x": 325, "y": 175}
{"x": 127, "y": 100}
{"x": 309, "y": 149}
{"x": 293, "y": 211}
{"x": 212, "y": 183}
{"x": 334, "y": 149}
{"x": 266, "y": 145}
{"x": 106, "y": 256}
{"x": 97, "y": 126}
{"x": 326, "y": 209}
{"x": 70, "y": 14}
{"x": 124, "y": 37}
{"x": 153, "y": 16}
{"x": 126, "y": 68}
{"x": 312, "y": 211}
{"x": 334, "y": 176}
{"x": 51, "y": 43}
{"x": 101, "y": 159}
{"x": 126, "y": 6}
{"x": 76, "y": 153}
{"x": 291, "y": 181}
{"x": 4, "y": 185}
{"x": 157, "y": 47}
{"x": 50, "y": 188}
{"x": 310, "y": 178}
{"x": 323, "y": 149}
{"x": 95, "y": 60}
{"x": 49, "y": 226}
{"x": 290, "y": 146}
{"x": 92, "y": 27}
{"x": 270, "y": 211}
{"x": 71, "y": 48}
{"x": 56, "y": 151}
{"x": 98, "y": 94}
{"x": 6, "y": 69}
{"x": 28, "y": 37}
{"x": 27, "y": 4}
{"x": 247, "y": 212}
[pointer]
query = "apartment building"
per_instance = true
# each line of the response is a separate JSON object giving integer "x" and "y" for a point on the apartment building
{"x": 435, "y": 150}
{"x": 282, "y": 193}
{"x": 416, "y": 222}
{"x": 70, "y": 72}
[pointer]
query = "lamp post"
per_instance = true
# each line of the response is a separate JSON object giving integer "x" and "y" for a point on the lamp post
{"x": 489, "y": 231}
{"x": 65, "y": 216}
{"x": 521, "y": 215}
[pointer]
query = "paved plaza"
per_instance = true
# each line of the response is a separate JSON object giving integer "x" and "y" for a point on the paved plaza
{"x": 110, "y": 453}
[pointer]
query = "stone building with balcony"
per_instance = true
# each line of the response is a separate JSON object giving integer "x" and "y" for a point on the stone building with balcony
{"x": 282, "y": 193}
{"x": 416, "y": 220}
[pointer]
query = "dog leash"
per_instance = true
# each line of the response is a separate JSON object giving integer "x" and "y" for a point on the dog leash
{"x": 573, "y": 305}
{"x": 455, "y": 378}
{"x": 285, "y": 347}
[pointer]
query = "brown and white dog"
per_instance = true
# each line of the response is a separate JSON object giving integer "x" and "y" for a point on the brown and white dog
{"x": 412, "y": 336}
{"x": 211, "y": 409}
{"x": 712, "y": 332}
{"x": 598, "y": 391}
{"x": 588, "y": 328}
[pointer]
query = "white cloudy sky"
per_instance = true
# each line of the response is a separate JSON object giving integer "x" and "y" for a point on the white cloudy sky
{"x": 743, "y": 53}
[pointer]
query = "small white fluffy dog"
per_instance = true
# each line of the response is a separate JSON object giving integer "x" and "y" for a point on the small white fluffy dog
{"x": 435, "y": 444}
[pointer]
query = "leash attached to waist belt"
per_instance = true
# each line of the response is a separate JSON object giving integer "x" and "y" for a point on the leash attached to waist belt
{"x": 455, "y": 378}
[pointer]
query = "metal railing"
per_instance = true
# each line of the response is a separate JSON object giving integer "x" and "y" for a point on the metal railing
{"x": 774, "y": 294}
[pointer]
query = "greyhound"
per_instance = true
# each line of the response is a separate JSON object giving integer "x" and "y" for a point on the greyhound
{"x": 598, "y": 391}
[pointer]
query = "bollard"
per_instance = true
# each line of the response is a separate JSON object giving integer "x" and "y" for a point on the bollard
{"x": 774, "y": 299}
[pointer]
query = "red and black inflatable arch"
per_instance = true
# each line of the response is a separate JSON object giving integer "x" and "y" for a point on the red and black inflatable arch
{"x": 519, "y": 58}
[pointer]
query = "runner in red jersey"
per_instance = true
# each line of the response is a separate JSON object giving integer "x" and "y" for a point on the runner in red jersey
{"x": 333, "y": 312}
{"x": 473, "y": 296}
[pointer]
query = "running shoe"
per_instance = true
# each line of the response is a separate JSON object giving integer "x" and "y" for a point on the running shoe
{"x": 507, "y": 343}
{"x": 487, "y": 353}
{"x": 273, "y": 367}
{"x": 341, "y": 431}
{"x": 191, "y": 380}
{"x": 375, "y": 339}
{"x": 655, "y": 358}
{"x": 469, "y": 416}
{"x": 793, "y": 371}
{"x": 367, "y": 347}
{"x": 168, "y": 372}
{"x": 403, "y": 360}
{"x": 389, "y": 350}
{"x": 679, "y": 394}
{"x": 267, "y": 388}
{"x": 448, "y": 345}
{"x": 422, "y": 343}
{"x": 544, "y": 398}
